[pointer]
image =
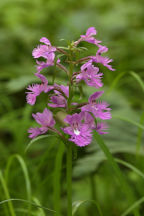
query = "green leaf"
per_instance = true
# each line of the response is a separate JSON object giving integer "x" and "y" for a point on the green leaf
{"x": 139, "y": 135}
{"x": 129, "y": 121}
{"x": 115, "y": 82}
{"x": 77, "y": 204}
{"x": 28, "y": 202}
{"x": 132, "y": 207}
{"x": 36, "y": 139}
{"x": 130, "y": 166}
{"x": 41, "y": 211}
{"x": 25, "y": 172}
{"x": 138, "y": 79}
{"x": 6, "y": 192}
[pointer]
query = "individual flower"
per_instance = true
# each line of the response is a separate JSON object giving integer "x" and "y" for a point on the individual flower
{"x": 34, "y": 132}
{"x": 59, "y": 97}
{"x": 101, "y": 59}
{"x": 45, "y": 119}
{"x": 47, "y": 52}
{"x": 101, "y": 128}
{"x": 44, "y": 64}
{"x": 45, "y": 41}
{"x": 42, "y": 78}
{"x": 36, "y": 89}
{"x": 90, "y": 74}
{"x": 89, "y": 37}
{"x": 43, "y": 50}
{"x": 99, "y": 109}
{"x": 81, "y": 133}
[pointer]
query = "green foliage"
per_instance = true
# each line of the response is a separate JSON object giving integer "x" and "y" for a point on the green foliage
{"x": 27, "y": 186}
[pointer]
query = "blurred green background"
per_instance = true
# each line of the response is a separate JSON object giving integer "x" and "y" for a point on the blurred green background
{"x": 120, "y": 25}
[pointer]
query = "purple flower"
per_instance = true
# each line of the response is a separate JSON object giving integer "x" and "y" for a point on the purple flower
{"x": 89, "y": 37}
{"x": 58, "y": 99}
{"x": 101, "y": 128}
{"x": 79, "y": 131}
{"x": 101, "y": 59}
{"x": 90, "y": 75}
{"x": 34, "y": 132}
{"x": 49, "y": 62}
{"x": 43, "y": 50}
{"x": 88, "y": 119}
{"x": 99, "y": 109}
{"x": 46, "y": 121}
{"x": 36, "y": 89}
{"x": 46, "y": 51}
{"x": 45, "y": 41}
{"x": 42, "y": 78}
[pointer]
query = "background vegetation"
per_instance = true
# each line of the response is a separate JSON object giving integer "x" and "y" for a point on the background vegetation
{"x": 30, "y": 175}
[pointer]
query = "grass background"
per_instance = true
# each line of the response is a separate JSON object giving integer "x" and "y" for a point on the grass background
{"x": 120, "y": 25}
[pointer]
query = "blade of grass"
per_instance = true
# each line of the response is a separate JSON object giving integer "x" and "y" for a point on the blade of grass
{"x": 57, "y": 178}
{"x": 115, "y": 81}
{"x": 92, "y": 186}
{"x": 77, "y": 204}
{"x": 126, "y": 189}
{"x": 132, "y": 207}
{"x": 119, "y": 76}
{"x": 43, "y": 160}
{"x": 21, "y": 210}
{"x": 138, "y": 79}
{"x": 129, "y": 121}
{"x": 25, "y": 173}
{"x": 139, "y": 136}
{"x": 41, "y": 211}
{"x": 36, "y": 139}
{"x": 130, "y": 166}
{"x": 6, "y": 192}
{"x": 25, "y": 201}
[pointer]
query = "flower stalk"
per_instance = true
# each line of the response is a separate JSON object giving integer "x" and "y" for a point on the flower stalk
{"x": 69, "y": 179}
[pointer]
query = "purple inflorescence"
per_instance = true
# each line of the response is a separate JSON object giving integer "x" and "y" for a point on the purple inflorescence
{"x": 81, "y": 118}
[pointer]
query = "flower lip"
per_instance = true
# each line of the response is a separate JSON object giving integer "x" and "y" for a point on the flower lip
{"x": 76, "y": 132}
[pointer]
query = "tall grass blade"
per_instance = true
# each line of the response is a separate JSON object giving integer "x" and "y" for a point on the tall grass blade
{"x": 24, "y": 170}
{"x": 77, "y": 204}
{"x": 6, "y": 192}
{"x": 129, "y": 121}
{"x": 139, "y": 136}
{"x": 130, "y": 166}
{"x": 132, "y": 207}
{"x": 36, "y": 139}
{"x": 138, "y": 79}
{"x": 115, "y": 81}
{"x": 28, "y": 202}
{"x": 41, "y": 211}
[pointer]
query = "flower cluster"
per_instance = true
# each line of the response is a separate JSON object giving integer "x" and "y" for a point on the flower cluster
{"x": 81, "y": 118}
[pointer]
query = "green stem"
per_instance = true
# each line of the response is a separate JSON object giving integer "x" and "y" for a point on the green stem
{"x": 70, "y": 84}
{"x": 57, "y": 179}
{"x": 69, "y": 180}
{"x": 3, "y": 183}
{"x": 93, "y": 187}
